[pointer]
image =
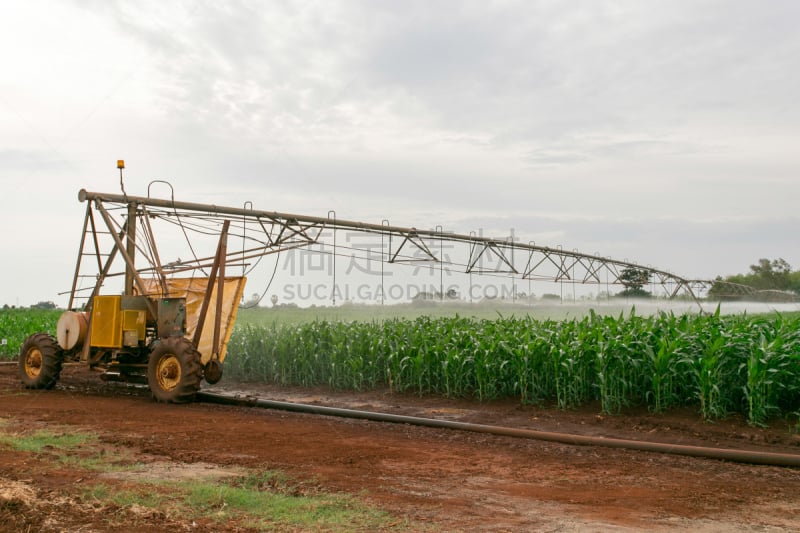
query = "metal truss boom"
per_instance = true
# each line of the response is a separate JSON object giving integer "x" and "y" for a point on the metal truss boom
{"x": 486, "y": 255}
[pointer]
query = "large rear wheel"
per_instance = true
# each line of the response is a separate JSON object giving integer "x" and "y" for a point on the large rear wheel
{"x": 174, "y": 370}
{"x": 40, "y": 360}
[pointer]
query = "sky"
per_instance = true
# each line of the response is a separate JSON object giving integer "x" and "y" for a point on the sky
{"x": 663, "y": 132}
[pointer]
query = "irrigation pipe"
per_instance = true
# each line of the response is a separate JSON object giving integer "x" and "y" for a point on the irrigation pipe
{"x": 739, "y": 456}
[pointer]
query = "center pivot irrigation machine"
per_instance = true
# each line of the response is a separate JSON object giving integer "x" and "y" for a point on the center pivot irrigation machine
{"x": 170, "y": 323}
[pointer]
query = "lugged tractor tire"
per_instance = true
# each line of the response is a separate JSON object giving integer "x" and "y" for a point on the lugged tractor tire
{"x": 40, "y": 361}
{"x": 174, "y": 370}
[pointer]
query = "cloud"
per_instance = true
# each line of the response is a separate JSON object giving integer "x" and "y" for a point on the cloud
{"x": 556, "y": 83}
{"x": 25, "y": 161}
{"x": 603, "y": 118}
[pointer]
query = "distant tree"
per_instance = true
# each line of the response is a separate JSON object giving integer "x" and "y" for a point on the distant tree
{"x": 770, "y": 274}
{"x": 794, "y": 282}
{"x": 633, "y": 279}
{"x": 765, "y": 275}
{"x": 718, "y": 289}
{"x": 253, "y": 301}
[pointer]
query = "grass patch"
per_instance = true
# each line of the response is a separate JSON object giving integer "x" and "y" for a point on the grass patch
{"x": 100, "y": 461}
{"x": 45, "y": 441}
{"x": 263, "y": 509}
{"x": 80, "y": 450}
{"x": 138, "y": 495}
{"x": 264, "y": 500}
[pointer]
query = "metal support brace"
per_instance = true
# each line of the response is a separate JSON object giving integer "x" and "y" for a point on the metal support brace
{"x": 218, "y": 267}
{"x": 128, "y": 261}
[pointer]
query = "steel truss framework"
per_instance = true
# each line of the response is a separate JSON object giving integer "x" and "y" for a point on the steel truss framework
{"x": 129, "y": 234}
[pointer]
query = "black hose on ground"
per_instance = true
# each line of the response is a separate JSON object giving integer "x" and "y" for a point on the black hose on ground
{"x": 740, "y": 456}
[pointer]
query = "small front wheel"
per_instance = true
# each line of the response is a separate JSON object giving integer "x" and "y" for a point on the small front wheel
{"x": 174, "y": 370}
{"x": 212, "y": 372}
{"x": 40, "y": 360}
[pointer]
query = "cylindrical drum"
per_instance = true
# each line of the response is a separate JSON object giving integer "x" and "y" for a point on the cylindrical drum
{"x": 71, "y": 329}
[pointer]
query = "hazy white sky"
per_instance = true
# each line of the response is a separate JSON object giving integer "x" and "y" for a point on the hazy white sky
{"x": 659, "y": 131}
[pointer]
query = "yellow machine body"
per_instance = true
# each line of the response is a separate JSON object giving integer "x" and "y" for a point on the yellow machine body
{"x": 133, "y": 326}
{"x": 106, "y": 331}
{"x": 117, "y": 322}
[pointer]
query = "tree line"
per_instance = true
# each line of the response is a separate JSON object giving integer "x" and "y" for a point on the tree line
{"x": 775, "y": 277}
{"x": 766, "y": 275}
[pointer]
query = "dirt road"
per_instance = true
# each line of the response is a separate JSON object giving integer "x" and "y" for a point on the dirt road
{"x": 454, "y": 481}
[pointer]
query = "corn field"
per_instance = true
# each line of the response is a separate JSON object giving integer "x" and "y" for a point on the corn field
{"x": 17, "y": 324}
{"x": 718, "y": 364}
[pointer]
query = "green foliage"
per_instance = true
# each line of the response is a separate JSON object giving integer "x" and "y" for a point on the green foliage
{"x": 40, "y": 441}
{"x": 768, "y": 274}
{"x": 634, "y": 292}
{"x": 765, "y": 275}
{"x": 719, "y": 364}
{"x": 634, "y": 278}
{"x": 17, "y": 324}
{"x": 264, "y": 507}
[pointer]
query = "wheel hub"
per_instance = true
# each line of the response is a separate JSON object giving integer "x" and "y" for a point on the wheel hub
{"x": 168, "y": 372}
{"x": 33, "y": 362}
